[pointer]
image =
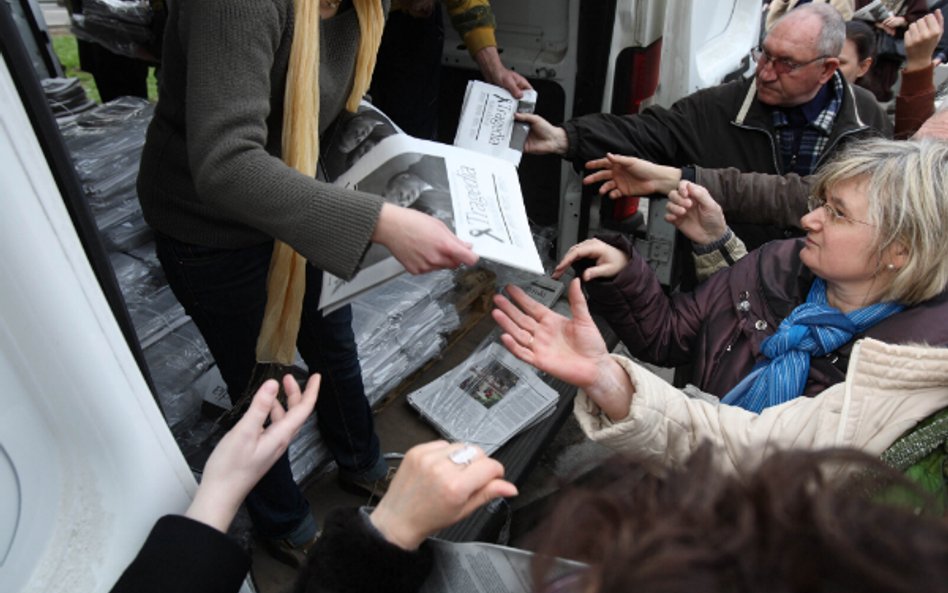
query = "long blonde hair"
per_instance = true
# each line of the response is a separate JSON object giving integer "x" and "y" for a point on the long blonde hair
{"x": 286, "y": 281}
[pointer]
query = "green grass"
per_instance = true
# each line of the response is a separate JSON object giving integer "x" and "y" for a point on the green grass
{"x": 65, "y": 47}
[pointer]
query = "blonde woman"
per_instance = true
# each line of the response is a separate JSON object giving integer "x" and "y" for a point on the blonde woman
{"x": 244, "y": 229}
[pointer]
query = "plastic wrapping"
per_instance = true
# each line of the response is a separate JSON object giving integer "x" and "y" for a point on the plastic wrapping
{"x": 308, "y": 452}
{"x": 178, "y": 359}
{"x": 106, "y": 145}
{"x": 127, "y": 27}
{"x": 66, "y": 97}
{"x": 155, "y": 315}
{"x": 129, "y": 232}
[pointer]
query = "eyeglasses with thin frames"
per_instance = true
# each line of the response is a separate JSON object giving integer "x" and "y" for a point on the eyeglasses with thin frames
{"x": 780, "y": 65}
{"x": 833, "y": 215}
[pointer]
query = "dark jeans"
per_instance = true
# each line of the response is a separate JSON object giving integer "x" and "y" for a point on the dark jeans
{"x": 224, "y": 291}
{"x": 405, "y": 84}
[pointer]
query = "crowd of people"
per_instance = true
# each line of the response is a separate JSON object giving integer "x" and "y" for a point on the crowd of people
{"x": 810, "y": 449}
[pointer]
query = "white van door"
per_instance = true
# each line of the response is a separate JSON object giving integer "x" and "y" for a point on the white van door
{"x": 87, "y": 462}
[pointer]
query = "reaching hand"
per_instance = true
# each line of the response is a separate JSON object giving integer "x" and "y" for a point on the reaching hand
{"x": 695, "y": 213}
{"x": 894, "y": 22}
{"x": 430, "y": 491}
{"x": 544, "y": 137}
{"x": 420, "y": 242}
{"x": 921, "y": 39}
{"x": 569, "y": 349}
{"x": 629, "y": 176}
{"x": 495, "y": 72}
{"x": 608, "y": 260}
{"x": 249, "y": 449}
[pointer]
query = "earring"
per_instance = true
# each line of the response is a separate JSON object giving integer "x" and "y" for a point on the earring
{"x": 890, "y": 266}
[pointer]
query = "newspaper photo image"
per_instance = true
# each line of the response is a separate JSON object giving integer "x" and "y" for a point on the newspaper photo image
{"x": 351, "y": 137}
{"x": 486, "y": 400}
{"x": 477, "y": 196}
{"x": 487, "y": 122}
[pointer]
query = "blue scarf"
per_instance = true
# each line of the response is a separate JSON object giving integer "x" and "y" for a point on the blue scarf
{"x": 813, "y": 328}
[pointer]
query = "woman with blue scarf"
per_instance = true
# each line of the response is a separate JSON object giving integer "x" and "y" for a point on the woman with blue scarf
{"x": 781, "y": 322}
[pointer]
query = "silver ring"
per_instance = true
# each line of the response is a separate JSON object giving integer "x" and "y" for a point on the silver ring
{"x": 464, "y": 455}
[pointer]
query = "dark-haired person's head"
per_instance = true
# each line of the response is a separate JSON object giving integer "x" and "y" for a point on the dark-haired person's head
{"x": 795, "y": 524}
{"x": 859, "y": 50}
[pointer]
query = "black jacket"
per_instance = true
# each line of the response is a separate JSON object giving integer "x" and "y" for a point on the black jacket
{"x": 185, "y": 556}
{"x": 722, "y": 126}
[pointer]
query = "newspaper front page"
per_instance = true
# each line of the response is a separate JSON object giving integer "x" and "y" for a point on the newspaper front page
{"x": 486, "y": 400}
{"x": 487, "y": 122}
{"x": 477, "y": 196}
{"x": 477, "y": 567}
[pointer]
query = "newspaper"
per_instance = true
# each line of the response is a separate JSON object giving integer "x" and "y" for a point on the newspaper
{"x": 477, "y": 567}
{"x": 476, "y": 195}
{"x": 487, "y": 122}
{"x": 486, "y": 400}
{"x": 873, "y": 12}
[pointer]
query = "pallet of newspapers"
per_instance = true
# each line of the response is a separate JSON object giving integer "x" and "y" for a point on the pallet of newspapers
{"x": 477, "y": 195}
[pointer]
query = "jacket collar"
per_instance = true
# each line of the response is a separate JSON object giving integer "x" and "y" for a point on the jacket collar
{"x": 753, "y": 113}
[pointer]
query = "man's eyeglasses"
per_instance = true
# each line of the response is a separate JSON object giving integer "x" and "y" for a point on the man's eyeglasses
{"x": 780, "y": 65}
{"x": 833, "y": 215}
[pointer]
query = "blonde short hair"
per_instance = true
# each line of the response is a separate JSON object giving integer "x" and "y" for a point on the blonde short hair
{"x": 907, "y": 188}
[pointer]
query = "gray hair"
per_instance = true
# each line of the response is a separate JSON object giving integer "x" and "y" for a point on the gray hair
{"x": 832, "y": 35}
{"x": 907, "y": 191}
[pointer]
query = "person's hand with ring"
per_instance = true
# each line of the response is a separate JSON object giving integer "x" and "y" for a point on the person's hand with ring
{"x": 437, "y": 485}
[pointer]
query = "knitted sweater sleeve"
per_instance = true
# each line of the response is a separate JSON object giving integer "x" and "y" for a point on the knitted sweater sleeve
{"x": 474, "y": 21}
{"x": 230, "y": 46}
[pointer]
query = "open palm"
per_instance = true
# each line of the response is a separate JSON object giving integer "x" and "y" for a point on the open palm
{"x": 568, "y": 349}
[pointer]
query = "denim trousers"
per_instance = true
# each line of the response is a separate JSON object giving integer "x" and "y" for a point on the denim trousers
{"x": 224, "y": 292}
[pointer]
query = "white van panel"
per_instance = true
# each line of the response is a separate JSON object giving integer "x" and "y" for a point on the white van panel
{"x": 704, "y": 42}
{"x": 87, "y": 462}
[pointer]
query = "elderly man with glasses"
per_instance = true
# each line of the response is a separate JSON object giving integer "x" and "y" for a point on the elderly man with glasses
{"x": 789, "y": 118}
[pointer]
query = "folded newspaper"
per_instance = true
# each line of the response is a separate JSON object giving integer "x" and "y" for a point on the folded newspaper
{"x": 476, "y": 567}
{"x": 486, "y": 400}
{"x": 487, "y": 122}
{"x": 478, "y": 196}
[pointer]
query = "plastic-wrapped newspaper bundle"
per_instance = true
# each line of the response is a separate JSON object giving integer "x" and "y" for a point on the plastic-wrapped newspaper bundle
{"x": 66, "y": 97}
{"x": 105, "y": 144}
{"x": 177, "y": 361}
{"x": 398, "y": 324}
{"x": 130, "y": 28}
